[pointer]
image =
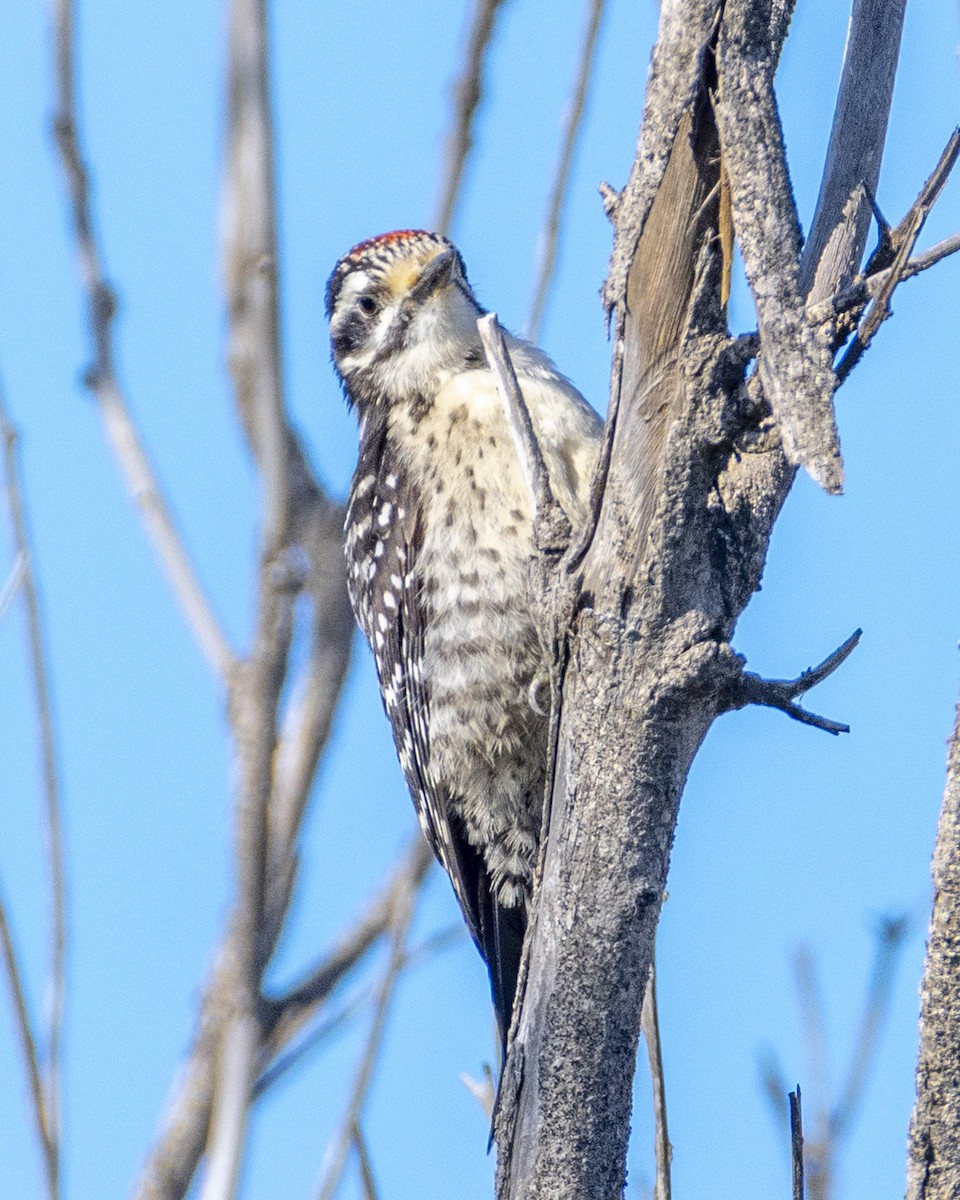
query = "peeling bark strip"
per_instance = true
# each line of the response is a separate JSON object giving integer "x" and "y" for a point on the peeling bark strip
{"x": 795, "y": 359}
{"x": 933, "y": 1164}
{"x": 693, "y": 476}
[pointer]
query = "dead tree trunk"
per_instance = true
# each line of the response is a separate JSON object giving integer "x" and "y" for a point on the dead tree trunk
{"x": 700, "y": 453}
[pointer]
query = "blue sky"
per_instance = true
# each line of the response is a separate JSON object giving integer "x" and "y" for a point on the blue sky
{"x": 785, "y": 835}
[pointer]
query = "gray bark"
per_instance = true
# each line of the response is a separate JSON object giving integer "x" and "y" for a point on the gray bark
{"x": 933, "y": 1163}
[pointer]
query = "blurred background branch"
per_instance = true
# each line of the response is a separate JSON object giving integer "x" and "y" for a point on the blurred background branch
{"x": 573, "y": 123}
{"x": 834, "y": 1119}
{"x": 44, "y": 1072}
{"x": 101, "y": 378}
{"x": 468, "y": 94}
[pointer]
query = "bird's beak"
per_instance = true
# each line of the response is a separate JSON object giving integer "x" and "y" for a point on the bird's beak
{"x": 435, "y": 274}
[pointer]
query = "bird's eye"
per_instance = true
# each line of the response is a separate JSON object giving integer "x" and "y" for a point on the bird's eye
{"x": 368, "y": 306}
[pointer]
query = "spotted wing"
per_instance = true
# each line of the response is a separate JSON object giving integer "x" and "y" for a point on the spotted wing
{"x": 382, "y": 542}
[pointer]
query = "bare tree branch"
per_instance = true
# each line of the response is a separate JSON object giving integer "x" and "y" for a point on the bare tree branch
{"x": 288, "y": 1014}
{"x": 101, "y": 376}
{"x": 46, "y": 1129}
{"x": 174, "y": 1159}
{"x": 898, "y": 245}
{"x": 53, "y": 807}
{"x": 12, "y": 583}
{"x": 251, "y": 270}
{"x": 576, "y": 108}
{"x": 366, "y": 1166}
{"x": 251, "y": 275}
{"x": 834, "y": 247}
{"x": 796, "y": 1143}
{"x": 469, "y": 93}
{"x": 782, "y": 693}
{"x": 856, "y": 297}
{"x": 930, "y": 258}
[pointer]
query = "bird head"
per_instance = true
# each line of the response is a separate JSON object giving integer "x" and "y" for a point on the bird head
{"x": 401, "y": 314}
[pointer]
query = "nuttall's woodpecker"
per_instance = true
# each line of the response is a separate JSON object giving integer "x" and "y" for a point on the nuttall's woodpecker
{"x": 439, "y": 538}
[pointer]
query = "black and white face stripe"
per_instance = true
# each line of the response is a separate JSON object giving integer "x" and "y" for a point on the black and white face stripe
{"x": 377, "y": 255}
{"x": 401, "y": 313}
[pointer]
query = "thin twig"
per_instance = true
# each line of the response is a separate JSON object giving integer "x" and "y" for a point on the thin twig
{"x": 796, "y": 1143}
{"x": 339, "y": 1148}
{"x": 11, "y": 585}
{"x": 863, "y": 290}
{"x": 891, "y": 938}
{"x": 551, "y": 526}
{"x": 901, "y": 242}
{"x": 650, "y": 1024}
{"x": 56, "y": 991}
{"x": 550, "y": 235}
{"x": 782, "y": 693}
{"x": 929, "y": 258}
{"x": 366, "y": 1166}
{"x": 45, "y": 1131}
{"x": 290, "y": 1012}
{"x": 469, "y": 93}
{"x": 101, "y": 377}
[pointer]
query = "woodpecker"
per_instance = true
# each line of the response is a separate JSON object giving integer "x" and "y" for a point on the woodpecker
{"x": 439, "y": 537}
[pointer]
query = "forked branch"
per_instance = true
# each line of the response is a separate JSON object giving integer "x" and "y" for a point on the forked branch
{"x": 783, "y": 693}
